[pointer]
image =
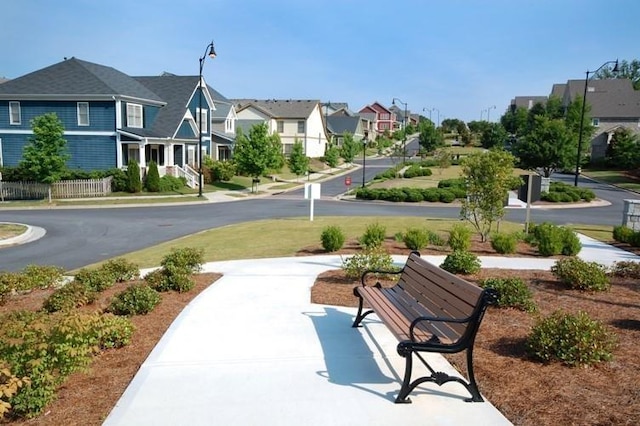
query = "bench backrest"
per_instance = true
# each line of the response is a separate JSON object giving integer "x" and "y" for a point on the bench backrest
{"x": 445, "y": 295}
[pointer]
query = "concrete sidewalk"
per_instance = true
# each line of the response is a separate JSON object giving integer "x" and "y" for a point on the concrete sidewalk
{"x": 251, "y": 349}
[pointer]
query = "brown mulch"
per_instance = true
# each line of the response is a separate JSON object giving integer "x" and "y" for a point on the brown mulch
{"x": 525, "y": 391}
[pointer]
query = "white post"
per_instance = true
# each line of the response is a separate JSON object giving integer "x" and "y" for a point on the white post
{"x": 529, "y": 185}
{"x": 311, "y": 192}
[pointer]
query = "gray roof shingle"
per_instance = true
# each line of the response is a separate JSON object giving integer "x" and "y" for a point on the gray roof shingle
{"x": 76, "y": 78}
{"x": 608, "y": 98}
{"x": 278, "y": 108}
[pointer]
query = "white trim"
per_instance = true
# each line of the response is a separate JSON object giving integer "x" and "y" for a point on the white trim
{"x": 78, "y": 106}
{"x": 13, "y": 104}
{"x": 66, "y": 132}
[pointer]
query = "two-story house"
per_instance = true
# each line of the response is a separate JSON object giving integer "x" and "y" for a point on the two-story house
{"x": 383, "y": 118}
{"x": 109, "y": 117}
{"x": 291, "y": 119}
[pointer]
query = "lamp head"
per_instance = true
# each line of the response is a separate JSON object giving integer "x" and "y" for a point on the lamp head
{"x": 615, "y": 67}
{"x": 393, "y": 102}
{"x": 212, "y": 51}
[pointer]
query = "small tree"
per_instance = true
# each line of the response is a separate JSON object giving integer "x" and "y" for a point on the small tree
{"x": 430, "y": 138}
{"x": 331, "y": 156}
{"x": 349, "y": 147}
{"x": 45, "y": 156}
{"x": 258, "y": 152}
{"x": 298, "y": 162}
{"x": 152, "y": 182}
{"x": 489, "y": 177}
{"x": 134, "y": 184}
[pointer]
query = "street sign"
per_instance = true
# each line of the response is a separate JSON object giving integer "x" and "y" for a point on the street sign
{"x": 347, "y": 180}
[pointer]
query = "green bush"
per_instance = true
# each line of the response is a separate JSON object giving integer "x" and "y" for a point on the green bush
{"x": 171, "y": 183}
{"x": 582, "y": 275}
{"x": 41, "y": 276}
{"x": 447, "y": 196}
{"x": 95, "y": 279}
{"x": 573, "y": 340}
{"x": 622, "y": 233}
{"x": 10, "y": 282}
{"x": 373, "y": 236}
{"x": 431, "y": 195}
{"x": 152, "y": 180}
{"x": 187, "y": 259}
{"x": 562, "y": 192}
{"x": 138, "y": 299}
{"x": 571, "y": 244}
{"x": 134, "y": 184}
{"x": 634, "y": 239}
{"x": 373, "y": 258}
{"x": 69, "y": 296}
{"x": 121, "y": 269}
{"x": 512, "y": 293}
{"x": 221, "y": 171}
{"x": 332, "y": 238}
{"x": 119, "y": 181}
{"x": 416, "y": 170}
{"x": 416, "y": 238}
{"x": 461, "y": 262}
{"x": 459, "y": 237}
{"x": 504, "y": 243}
{"x": 626, "y": 269}
{"x": 171, "y": 279}
{"x": 453, "y": 183}
{"x": 436, "y": 239}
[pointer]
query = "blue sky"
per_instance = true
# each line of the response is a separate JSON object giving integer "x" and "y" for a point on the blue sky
{"x": 458, "y": 57}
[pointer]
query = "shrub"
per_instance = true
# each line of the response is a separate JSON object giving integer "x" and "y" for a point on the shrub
{"x": 152, "y": 180}
{"x": 9, "y": 282}
{"x": 41, "y": 277}
{"x": 222, "y": 171}
{"x": 459, "y": 237}
{"x": 461, "y": 262}
{"x": 436, "y": 239}
{"x": 416, "y": 238}
{"x": 622, "y": 233}
{"x": 113, "y": 331}
{"x": 134, "y": 184}
{"x": 571, "y": 244}
{"x": 172, "y": 279}
{"x": 447, "y": 196}
{"x": 187, "y": 259}
{"x": 512, "y": 293}
{"x": 138, "y": 299}
{"x": 332, "y": 238}
{"x": 626, "y": 269}
{"x": 504, "y": 243}
{"x": 69, "y": 296}
{"x": 373, "y": 236}
{"x": 171, "y": 183}
{"x": 413, "y": 195}
{"x": 431, "y": 195}
{"x": 548, "y": 238}
{"x": 571, "y": 339}
{"x": 634, "y": 239}
{"x": 582, "y": 275}
{"x": 9, "y": 386}
{"x": 121, "y": 269}
{"x": 372, "y": 258}
{"x": 95, "y": 279}
{"x": 119, "y": 183}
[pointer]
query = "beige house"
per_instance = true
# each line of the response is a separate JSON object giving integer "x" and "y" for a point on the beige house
{"x": 292, "y": 119}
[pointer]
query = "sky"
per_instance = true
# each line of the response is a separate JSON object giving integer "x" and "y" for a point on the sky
{"x": 463, "y": 59}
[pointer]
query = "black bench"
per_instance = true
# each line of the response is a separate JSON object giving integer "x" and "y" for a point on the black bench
{"x": 428, "y": 310}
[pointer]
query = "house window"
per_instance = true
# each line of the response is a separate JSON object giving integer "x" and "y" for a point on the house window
{"x": 83, "y": 113}
{"x": 15, "y": 117}
{"x": 301, "y": 126}
{"x": 595, "y": 122}
{"x": 134, "y": 115}
{"x": 280, "y": 125}
{"x": 385, "y": 116}
{"x": 201, "y": 116}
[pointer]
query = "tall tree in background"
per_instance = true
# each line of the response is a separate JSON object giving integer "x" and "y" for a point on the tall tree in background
{"x": 624, "y": 150}
{"x": 430, "y": 138}
{"x": 494, "y": 135}
{"x": 626, "y": 69}
{"x": 45, "y": 156}
{"x": 298, "y": 162}
{"x": 489, "y": 177}
{"x": 549, "y": 146}
{"x": 514, "y": 121}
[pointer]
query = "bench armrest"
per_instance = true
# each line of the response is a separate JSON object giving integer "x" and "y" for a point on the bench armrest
{"x": 418, "y": 320}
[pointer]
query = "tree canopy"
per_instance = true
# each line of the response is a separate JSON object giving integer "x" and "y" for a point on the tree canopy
{"x": 298, "y": 162}
{"x": 626, "y": 69}
{"x": 257, "y": 152}
{"x": 45, "y": 156}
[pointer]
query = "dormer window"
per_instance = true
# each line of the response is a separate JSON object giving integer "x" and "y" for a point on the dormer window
{"x": 134, "y": 115}
{"x": 201, "y": 117}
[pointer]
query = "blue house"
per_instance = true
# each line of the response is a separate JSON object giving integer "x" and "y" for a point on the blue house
{"x": 110, "y": 117}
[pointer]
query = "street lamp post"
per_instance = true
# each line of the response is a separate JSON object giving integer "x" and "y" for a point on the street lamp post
{"x": 404, "y": 121}
{"x": 427, "y": 109}
{"x": 211, "y": 54}
{"x": 364, "y": 157}
{"x": 489, "y": 110}
{"x": 584, "y": 104}
{"x": 436, "y": 109}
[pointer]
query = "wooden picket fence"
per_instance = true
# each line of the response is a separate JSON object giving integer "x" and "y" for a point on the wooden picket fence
{"x": 81, "y": 188}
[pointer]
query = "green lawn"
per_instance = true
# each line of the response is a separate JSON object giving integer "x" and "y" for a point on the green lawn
{"x": 8, "y": 230}
{"x": 284, "y": 237}
{"x": 614, "y": 177}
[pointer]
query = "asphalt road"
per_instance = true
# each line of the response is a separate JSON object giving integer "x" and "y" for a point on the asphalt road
{"x": 78, "y": 237}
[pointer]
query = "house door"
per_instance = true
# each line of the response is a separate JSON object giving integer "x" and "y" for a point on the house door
{"x": 178, "y": 156}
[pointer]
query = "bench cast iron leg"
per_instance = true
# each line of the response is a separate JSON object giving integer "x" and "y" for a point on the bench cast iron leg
{"x": 406, "y": 388}
{"x": 360, "y": 316}
{"x": 472, "y": 387}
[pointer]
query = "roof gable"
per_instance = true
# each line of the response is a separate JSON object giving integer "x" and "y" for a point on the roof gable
{"x": 280, "y": 109}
